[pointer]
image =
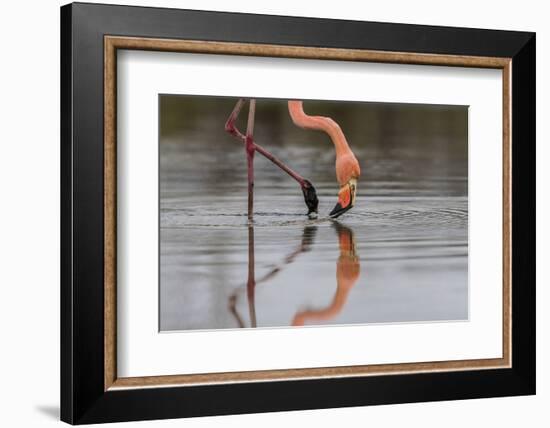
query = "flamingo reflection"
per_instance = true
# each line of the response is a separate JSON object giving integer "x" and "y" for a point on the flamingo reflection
{"x": 347, "y": 274}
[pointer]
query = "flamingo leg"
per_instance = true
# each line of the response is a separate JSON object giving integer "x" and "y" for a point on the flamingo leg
{"x": 250, "y": 150}
{"x": 310, "y": 195}
{"x": 230, "y": 124}
{"x": 233, "y": 130}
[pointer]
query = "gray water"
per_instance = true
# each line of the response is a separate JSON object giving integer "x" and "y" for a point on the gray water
{"x": 400, "y": 255}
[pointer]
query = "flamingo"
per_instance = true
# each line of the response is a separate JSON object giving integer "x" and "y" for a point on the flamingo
{"x": 347, "y": 166}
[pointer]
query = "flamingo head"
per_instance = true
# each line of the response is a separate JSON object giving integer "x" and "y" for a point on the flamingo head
{"x": 346, "y": 198}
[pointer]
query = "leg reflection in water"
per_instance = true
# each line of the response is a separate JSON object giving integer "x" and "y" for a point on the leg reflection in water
{"x": 308, "y": 237}
{"x": 347, "y": 274}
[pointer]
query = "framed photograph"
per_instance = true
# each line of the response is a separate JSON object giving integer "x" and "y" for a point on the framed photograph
{"x": 265, "y": 213}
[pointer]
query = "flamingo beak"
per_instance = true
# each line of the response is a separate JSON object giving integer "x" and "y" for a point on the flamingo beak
{"x": 346, "y": 198}
{"x": 310, "y": 197}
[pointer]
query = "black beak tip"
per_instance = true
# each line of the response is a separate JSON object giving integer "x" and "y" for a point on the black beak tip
{"x": 338, "y": 210}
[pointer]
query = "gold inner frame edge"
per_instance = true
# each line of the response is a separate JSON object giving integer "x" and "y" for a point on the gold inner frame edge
{"x": 113, "y": 43}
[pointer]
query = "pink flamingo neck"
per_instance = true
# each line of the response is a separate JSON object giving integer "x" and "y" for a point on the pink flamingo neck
{"x": 320, "y": 123}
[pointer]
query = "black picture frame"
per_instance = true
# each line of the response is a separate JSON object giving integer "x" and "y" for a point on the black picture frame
{"x": 83, "y": 398}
